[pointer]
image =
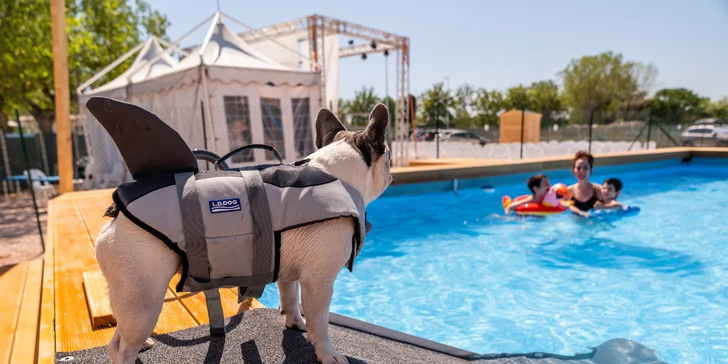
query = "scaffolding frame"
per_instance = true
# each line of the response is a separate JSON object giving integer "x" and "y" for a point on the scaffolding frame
{"x": 316, "y": 27}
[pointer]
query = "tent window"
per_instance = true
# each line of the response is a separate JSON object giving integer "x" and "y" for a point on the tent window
{"x": 237, "y": 115}
{"x": 272, "y": 126}
{"x": 302, "y": 127}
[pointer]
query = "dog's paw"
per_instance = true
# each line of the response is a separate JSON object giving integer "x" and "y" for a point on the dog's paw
{"x": 147, "y": 344}
{"x": 296, "y": 323}
{"x": 326, "y": 354}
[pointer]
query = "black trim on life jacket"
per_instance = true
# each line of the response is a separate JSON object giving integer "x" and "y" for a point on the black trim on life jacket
{"x": 167, "y": 241}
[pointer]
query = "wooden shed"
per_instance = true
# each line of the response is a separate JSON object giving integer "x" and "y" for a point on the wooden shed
{"x": 510, "y": 127}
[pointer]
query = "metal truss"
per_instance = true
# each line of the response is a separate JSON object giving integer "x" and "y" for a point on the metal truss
{"x": 315, "y": 28}
{"x": 401, "y": 144}
{"x": 326, "y": 24}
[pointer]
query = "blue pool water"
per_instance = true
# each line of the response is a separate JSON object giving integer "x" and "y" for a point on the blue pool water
{"x": 451, "y": 268}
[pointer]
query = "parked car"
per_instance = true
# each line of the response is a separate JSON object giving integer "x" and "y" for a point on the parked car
{"x": 455, "y": 135}
{"x": 705, "y": 135}
{"x": 711, "y": 121}
{"x": 465, "y": 136}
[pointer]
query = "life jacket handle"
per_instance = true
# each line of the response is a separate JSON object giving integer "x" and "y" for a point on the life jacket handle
{"x": 251, "y": 146}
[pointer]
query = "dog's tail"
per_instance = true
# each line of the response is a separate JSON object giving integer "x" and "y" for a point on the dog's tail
{"x": 112, "y": 211}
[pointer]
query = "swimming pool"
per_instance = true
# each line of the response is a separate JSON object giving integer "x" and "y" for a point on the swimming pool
{"x": 451, "y": 268}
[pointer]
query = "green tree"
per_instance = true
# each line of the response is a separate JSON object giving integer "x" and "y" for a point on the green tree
{"x": 436, "y": 105}
{"x": 603, "y": 82}
{"x": 719, "y": 108}
{"x": 545, "y": 99}
{"x": 392, "y": 107}
{"x": 519, "y": 97}
{"x": 487, "y": 106}
{"x": 677, "y": 105}
{"x": 463, "y": 102}
{"x": 99, "y": 31}
{"x": 361, "y": 105}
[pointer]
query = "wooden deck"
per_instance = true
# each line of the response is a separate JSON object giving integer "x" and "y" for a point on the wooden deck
{"x": 46, "y": 308}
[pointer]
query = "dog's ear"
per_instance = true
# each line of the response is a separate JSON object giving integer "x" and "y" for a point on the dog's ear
{"x": 327, "y": 126}
{"x": 378, "y": 121}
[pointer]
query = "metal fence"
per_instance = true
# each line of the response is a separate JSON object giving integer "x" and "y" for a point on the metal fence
{"x": 41, "y": 153}
{"x": 615, "y": 132}
{"x": 232, "y": 118}
{"x": 21, "y": 220}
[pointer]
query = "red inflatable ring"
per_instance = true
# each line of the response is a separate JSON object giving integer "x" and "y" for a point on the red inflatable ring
{"x": 532, "y": 208}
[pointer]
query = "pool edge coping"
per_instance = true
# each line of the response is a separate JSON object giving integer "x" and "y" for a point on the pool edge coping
{"x": 444, "y": 171}
{"x": 438, "y": 347}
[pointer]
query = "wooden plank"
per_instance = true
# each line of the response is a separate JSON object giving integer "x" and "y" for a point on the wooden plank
{"x": 99, "y": 309}
{"x": 12, "y": 283}
{"x": 62, "y": 98}
{"x": 46, "y": 329}
{"x": 26, "y": 334}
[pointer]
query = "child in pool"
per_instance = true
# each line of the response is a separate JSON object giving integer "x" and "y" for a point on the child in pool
{"x": 609, "y": 192}
{"x": 541, "y": 192}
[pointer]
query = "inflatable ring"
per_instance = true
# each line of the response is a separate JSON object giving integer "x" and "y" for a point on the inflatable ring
{"x": 532, "y": 208}
{"x": 624, "y": 211}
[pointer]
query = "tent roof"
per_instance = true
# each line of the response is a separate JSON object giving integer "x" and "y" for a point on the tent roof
{"x": 141, "y": 69}
{"x": 222, "y": 47}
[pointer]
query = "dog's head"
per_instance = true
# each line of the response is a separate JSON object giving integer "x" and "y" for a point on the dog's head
{"x": 358, "y": 158}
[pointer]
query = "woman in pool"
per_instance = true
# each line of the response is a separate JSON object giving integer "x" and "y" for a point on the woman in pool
{"x": 584, "y": 194}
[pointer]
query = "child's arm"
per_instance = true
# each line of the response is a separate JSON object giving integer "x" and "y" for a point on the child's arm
{"x": 513, "y": 205}
{"x": 611, "y": 205}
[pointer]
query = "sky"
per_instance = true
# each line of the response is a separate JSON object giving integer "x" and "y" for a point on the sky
{"x": 500, "y": 44}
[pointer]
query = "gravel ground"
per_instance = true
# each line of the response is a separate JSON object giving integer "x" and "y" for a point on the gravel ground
{"x": 19, "y": 237}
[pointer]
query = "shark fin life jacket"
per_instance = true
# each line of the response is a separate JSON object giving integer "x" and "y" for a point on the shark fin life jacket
{"x": 226, "y": 225}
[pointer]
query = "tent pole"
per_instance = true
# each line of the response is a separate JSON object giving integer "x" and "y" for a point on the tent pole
{"x": 209, "y": 34}
{"x": 164, "y": 43}
{"x": 108, "y": 68}
{"x": 203, "y": 76}
{"x": 206, "y": 101}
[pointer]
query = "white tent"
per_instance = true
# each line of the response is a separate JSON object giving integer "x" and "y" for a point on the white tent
{"x": 242, "y": 96}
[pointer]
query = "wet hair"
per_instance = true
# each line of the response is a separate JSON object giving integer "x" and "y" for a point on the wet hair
{"x": 614, "y": 182}
{"x": 583, "y": 154}
{"x": 535, "y": 181}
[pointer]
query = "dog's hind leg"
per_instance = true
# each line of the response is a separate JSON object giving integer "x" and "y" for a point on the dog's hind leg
{"x": 137, "y": 268}
{"x": 316, "y": 305}
{"x": 289, "y": 305}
